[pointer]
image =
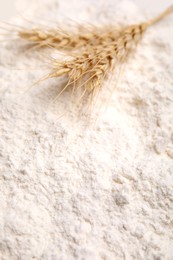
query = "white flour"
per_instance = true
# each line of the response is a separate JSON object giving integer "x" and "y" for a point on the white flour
{"x": 109, "y": 193}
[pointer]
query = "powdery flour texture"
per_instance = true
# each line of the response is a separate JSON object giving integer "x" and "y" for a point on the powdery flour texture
{"x": 106, "y": 193}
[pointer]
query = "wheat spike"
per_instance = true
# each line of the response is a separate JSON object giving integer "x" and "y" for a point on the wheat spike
{"x": 66, "y": 41}
{"x": 63, "y": 40}
{"x": 90, "y": 67}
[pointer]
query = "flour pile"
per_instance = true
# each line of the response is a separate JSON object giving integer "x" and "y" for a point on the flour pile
{"x": 106, "y": 193}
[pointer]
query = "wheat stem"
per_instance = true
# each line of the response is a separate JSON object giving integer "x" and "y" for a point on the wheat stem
{"x": 167, "y": 12}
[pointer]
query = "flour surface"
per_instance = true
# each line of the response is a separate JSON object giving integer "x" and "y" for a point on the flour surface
{"x": 105, "y": 192}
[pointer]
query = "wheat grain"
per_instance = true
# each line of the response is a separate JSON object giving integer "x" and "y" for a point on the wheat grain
{"x": 66, "y": 41}
{"x": 90, "y": 67}
{"x": 63, "y": 40}
{"x": 103, "y": 48}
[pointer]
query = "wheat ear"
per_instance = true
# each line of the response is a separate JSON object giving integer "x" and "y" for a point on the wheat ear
{"x": 65, "y": 41}
{"x": 89, "y": 68}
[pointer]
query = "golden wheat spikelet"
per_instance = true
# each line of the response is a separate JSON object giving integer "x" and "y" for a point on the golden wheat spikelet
{"x": 63, "y": 40}
{"x": 55, "y": 37}
{"x": 90, "y": 67}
